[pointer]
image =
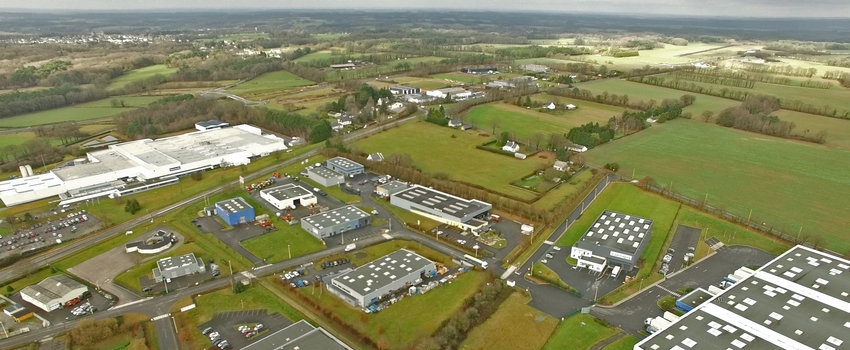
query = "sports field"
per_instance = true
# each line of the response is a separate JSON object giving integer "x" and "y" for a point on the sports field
{"x": 434, "y": 150}
{"x": 836, "y": 97}
{"x": 643, "y": 92}
{"x": 787, "y": 184}
{"x": 280, "y": 80}
{"x": 525, "y": 122}
{"x": 85, "y": 111}
{"x": 141, "y": 73}
{"x": 529, "y": 328}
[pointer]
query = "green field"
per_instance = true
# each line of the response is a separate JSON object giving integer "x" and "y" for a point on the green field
{"x": 276, "y": 246}
{"x": 409, "y": 319}
{"x": 579, "y": 332}
{"x": 529, "y": 328}
{"x": 838, "y": 130}
{"x": 330, "y": 36}
{"x": 323, "y": 55}
{"x": 643, "y": 92}
{"x": 786, "y": 184}
{"x": 422, "y": 83}
{"x": 84, "y": 111}
{"x": 141, "y": 73}
{"x": 274, "y": 81}
{"x": 556, "y": 196}
{"x": 836, "y": 97}
{"x": 626, "y": 343}
{"x": 727, "y": 232}
{"x": 525, "y": 122}
{"x": 461, "y": 77}
{"x": 438, "y": 149}
{"x": 18, "y": 138}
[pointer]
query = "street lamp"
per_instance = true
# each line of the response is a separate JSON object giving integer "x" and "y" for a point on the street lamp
{"x": 476, "y": 249}
{"x": 437, "y": 235}
{"x": 4, "y": 330}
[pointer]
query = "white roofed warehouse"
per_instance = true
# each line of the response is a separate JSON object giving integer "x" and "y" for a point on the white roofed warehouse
{"x": 443, "y": 207}
{"x": 288, "y": 196}
{"x": 336, "y": 221}
{"x": 52, "y": 292}
{"x": 365, "y": 285}
{"x": 797, "y": 301}
{"x": 615, "y": 239}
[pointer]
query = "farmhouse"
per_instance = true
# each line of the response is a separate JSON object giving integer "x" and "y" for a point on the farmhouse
{"x": 366, "y": 284}
{"x": 511, "y": 146}
{"x": 390, "y": 188}
{"x": 325, "y": 177}
{"x": 336, "y": 126}
{"x": 345, "y": 166}
{"x": 614, "y": 238}
{"x": 300, "y": 335}
{"x": 454, "y": 93}
{"x": 796, "y": 301}
{"x": 52, "y": 292}
{"x": 405, "y": 90}
{"x": 178, "y": 266}
{"x": 551, "y": 106}
{"x": 443, "y": 207}
{"x": 211, "y": 125}
{"x": 153, "y": 163}
{"x": 345, "y": 120}
{"x": 288, "y": 196}
{"x": 336, "y": 221}
{"x": 455, "y": 122}
{"x": 560, "y": 165}
{"x": 571, "y": 106}
{"x": 376, "y": 157}
{"x": 234, "y": 211}
{"x": 577, "y": 148}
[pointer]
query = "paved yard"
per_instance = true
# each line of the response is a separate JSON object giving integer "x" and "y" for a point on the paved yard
{"x": 57, "y": 316}
{"x": 224, "y": 323}
{"x": 684, "y": 238}
{"x": 630, "y": 315}
{"x": 233, "y": 236}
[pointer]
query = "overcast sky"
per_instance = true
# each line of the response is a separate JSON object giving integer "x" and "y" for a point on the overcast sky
{"x": 735, "y": 8}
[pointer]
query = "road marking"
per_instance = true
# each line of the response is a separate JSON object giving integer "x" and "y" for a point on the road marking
{"x": 160, "y": 317}
{"x": 387, "y": 237}
{"x": 669, "y": 291}
{"x": 549, "y": 242}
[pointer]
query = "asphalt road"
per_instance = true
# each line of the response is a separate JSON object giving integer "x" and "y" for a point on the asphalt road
{"x": 166, "y": 333}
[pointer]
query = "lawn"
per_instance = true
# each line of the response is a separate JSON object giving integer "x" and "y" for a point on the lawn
{"x": 643, "y": 92}
{"x": 525, "y": 122}
{"x": 729, "y": 233}
{"x": 626, "y": 343}
{"x": 786, "y": 184}
{"x": 836, "y": 97}
{"x": 529, "y": 328}
{"x": 424, "y": 141}
{"x": 274, "y": 81}
{"x": 84, "y": 111}
{"x": 541, "y": 271}
{"x": 253, "y": 298}
{"x": 556, "y": 196}
{"x": 409, "y": 319}
{"x": 141, "y": 73}
{"x": 276, "y": 246}
{"x": 579, "y": 332}
{"x": 411, "y": 219}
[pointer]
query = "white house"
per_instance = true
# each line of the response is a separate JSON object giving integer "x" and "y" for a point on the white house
{"x": 345, "y": 121}
{"x": 455, "y": 122}
{"x": 396, "y": 106}
{"x": 551, "y": 106}
{"x": 511, "y": 146}
{"x": 560, "y": 165}
{"x": 577, "y": 148}
{"x": 376, "y": 157}
{"x": 571, "y": 106}
{"x": 336, "y": 126}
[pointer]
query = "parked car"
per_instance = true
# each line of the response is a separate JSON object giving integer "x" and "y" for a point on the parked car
{"x": 549, "y": 256}
{"x": 207, "y": 330}
{"x": 544, "y": 261}
{"x": 556, "y": 248}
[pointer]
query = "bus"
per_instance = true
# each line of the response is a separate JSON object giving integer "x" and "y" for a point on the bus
{"x": 475, "y": 261}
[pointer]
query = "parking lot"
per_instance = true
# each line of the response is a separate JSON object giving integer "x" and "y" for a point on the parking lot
{"x": 97, "y": 300}
{"x": 225, "y": 322}
{"x": 46, "y": 229}
{"x": 684, "y": 241}
{"x": 631, "y": 314}
{"x": 591, "y": 284}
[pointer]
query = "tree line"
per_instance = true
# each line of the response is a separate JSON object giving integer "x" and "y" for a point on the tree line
{"x": 754, "y": 115}
{"x": 707, "y": 75}
{"x": 789, "y": 104}
{"x": 784, "y": 70}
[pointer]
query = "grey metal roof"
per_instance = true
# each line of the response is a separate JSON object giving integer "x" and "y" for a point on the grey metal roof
{"x": 344, "y": 163}
{"x": 336, "y": 216}
{"x": 233, "y": 205}
{"x": 383, "y": 271}
{"x": 177, "y": 266}
{"x": 695, "y": 297}
{"x": 211, "y": 122}
{"x": 618, "y": 231}
{"x": 51, "y": 288}
{"x": 771, "y": 309}
{"x": 393, "y": 186}
{"x": 325, "y": 173}
{"x": 287, "y": 191}
{"x": 442, "y": 202}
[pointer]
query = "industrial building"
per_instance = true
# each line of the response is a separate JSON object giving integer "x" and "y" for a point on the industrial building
{"x": 614, "y": 239}
{"x": 17, "y": 312}
{"x": 390, "y": 188}
{"x": 336, "y": 221}
{"x": 405, "y": 90}
{"x": 52, "y": 292}
{"x": 178, "y": 266}
{"x": 234, "y": 211}
{"x": 797, "y": 301}
{"x": 366, "y": 284}
{"x": 288, "y": 196}
{"x": 480, "y": 70}
{"x": 140, "y": 165}
{"x": 693, "y": 299}
{"x": 211, "y": 125}
{"x": 299, "y": 335}
{"x": 345, "y": 166}
{"x": 453, "y": 93}
{"x": 325, "y": 176}
{"x": 443, "y": 207}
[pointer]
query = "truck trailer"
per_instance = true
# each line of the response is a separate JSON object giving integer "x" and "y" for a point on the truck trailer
{"x": 656, "y": 324}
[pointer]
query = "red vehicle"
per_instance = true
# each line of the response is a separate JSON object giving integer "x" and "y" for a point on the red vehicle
{"x": 72, "y": 302}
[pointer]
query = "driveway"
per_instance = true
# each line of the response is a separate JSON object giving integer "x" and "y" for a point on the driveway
{"x": 630, "y": 315}
{"x": 684, "y": 238}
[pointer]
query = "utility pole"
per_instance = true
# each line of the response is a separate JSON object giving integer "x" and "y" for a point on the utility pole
{"x": 231, "y": 274}
{"x": 290, "y": 251}
{"x": 799, "y": 233}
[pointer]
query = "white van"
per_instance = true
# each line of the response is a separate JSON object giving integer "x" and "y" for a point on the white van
{"x": 350, "y": 247}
